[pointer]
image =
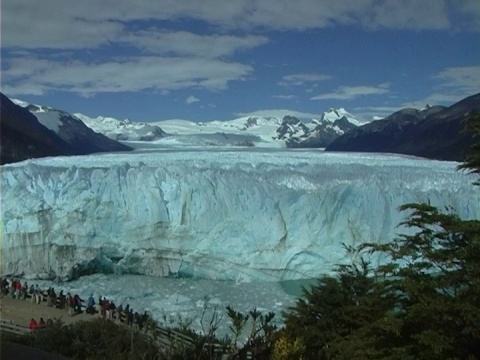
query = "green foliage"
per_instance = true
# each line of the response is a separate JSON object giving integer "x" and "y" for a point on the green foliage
{"x": 423, "y": 303}
{"x": 239, "y": 321}
{"x": 261, "y": 336}
{"x": 436, "y": 276}
{"x": 286, "y": 348}
{"x": 336, "y": 308}
{"x": 472, "y": 160}
{"x": 95, "y": 339}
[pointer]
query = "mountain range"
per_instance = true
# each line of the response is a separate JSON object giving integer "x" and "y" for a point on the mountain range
{"x": 31, "y": 131}
{"x": 122, "y": 130}
{"x": 245, "y": 131}
{"x": 436, "y": 132}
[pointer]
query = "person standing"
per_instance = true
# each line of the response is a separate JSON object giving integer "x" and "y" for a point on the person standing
{"x": 70, "y": 305}
{"x": 4, "y": 286}
{"x": 91, "y": 305}
{"x": 18, "y": 289}
{"x": 38, "y": 294}
{"x": 13, "y": 286}
{"x": 41, "y": 323}
{"x": 24, "y": 290}
{"x": 106, "y": 309}
{"x": 100, "y": 306}
{"x": 31, "y": 292}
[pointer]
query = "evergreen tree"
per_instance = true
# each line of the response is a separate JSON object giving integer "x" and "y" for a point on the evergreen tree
{"x": 472, "y": 160}
{"x": 435, "y": 275}
{"x": 334, "y": 309}
{"x": 423, "y": 303}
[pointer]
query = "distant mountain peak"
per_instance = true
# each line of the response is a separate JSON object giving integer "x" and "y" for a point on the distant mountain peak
{"x": 21, "y": 103}
{"x": 31, "y": 131}
{"x": 333, "y": 114}
{"x": 122, "y": 130}
{"x": 435, "y": 132}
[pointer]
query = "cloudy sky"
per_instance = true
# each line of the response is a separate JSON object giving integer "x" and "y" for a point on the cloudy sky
{"x": 219, "y": 59}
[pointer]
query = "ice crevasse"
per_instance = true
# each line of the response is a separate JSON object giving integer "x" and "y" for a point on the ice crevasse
{"x": 232, "y": 215}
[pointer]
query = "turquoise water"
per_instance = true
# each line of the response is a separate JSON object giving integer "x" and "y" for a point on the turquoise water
{"x": 172, "y": 301}
{"x": 295, "y": 287}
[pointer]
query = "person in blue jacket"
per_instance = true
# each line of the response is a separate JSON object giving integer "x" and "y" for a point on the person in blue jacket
{"x": 91, "y": 305}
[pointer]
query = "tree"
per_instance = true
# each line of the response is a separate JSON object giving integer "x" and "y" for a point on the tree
{"x": 435, "y": 276}
{"x": 423, "y": 303}
{"x": 334, "y": 309}
{"x": 472, "y": 160}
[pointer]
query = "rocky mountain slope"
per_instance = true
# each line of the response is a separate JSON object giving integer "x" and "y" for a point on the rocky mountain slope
{"x": 288, "y": 131}
{"x": 436, "y": 132}
{"x": 33, "y": 131}
{"x": 23, "y": 137}
{"x": 72, "y": 130}
{"x": 263, "y": 131}
{"x": 122, "y": 130}
{"x": 332, "y": 124}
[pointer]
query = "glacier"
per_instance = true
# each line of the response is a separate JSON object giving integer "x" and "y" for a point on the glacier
{"x": 224, "y": 214}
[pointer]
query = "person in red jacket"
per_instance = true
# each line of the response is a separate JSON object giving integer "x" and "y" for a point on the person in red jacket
{"x": 18, "y": 289}
{"x": 33, "y": 325}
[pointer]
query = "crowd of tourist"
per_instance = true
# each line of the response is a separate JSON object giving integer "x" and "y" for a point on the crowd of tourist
{"x": 72, "y": 304}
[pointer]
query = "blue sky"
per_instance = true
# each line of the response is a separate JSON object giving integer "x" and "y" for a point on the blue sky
{"x": 218, "y": 60}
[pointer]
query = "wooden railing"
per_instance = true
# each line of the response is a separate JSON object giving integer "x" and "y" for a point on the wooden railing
{"x": 164, "y": 336}
{"x": 10, "y": 327}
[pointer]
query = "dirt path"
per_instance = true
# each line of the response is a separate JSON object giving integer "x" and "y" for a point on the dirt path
{"x": 20, "y": 312}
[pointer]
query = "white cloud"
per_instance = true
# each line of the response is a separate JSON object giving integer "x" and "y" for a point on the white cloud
{"x": 471, "y": 10}
{"x": 90, "y": 23}
{"x": 187, "y": 43}
{"x": 284, "y": 97}
{"x": 369, "y": 113}
{"x": 463, "y": 80}
{"x": 280, "y": 113}
{"x": 434, "y": 99}
{"x": 130, "y": 74}
{"x": 454, "y": 84}
{"x": 408, "y": 14}
{"x": 182, "y": 59}
{"x": 302, "y": 78}
{"x": 28, "y": 30}
{"x": 353, "y": 92}
{"x": 191, "y": 99}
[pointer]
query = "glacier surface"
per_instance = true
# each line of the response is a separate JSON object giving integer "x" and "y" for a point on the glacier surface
{"x": 226, "y": 214}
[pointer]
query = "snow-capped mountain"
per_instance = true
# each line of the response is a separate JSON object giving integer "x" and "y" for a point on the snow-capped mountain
{"x": 317, "y": 133}
{"x": 245, "y": 131}
{"x": 332, "y": 124}
{"x": 122, "y": 130}
{"x": 334, "y": 115}
{"x": 72, "y": 130}
{"x": 263, "y": 131}
{"x": 23, "y": 137}
{"x": 258, "y": 131}
{"x": 292, "y": 129}
{"x": 435, "y": 132}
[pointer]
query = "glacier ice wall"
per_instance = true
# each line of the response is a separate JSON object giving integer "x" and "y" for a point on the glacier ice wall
{"x": 243, "y": 215}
